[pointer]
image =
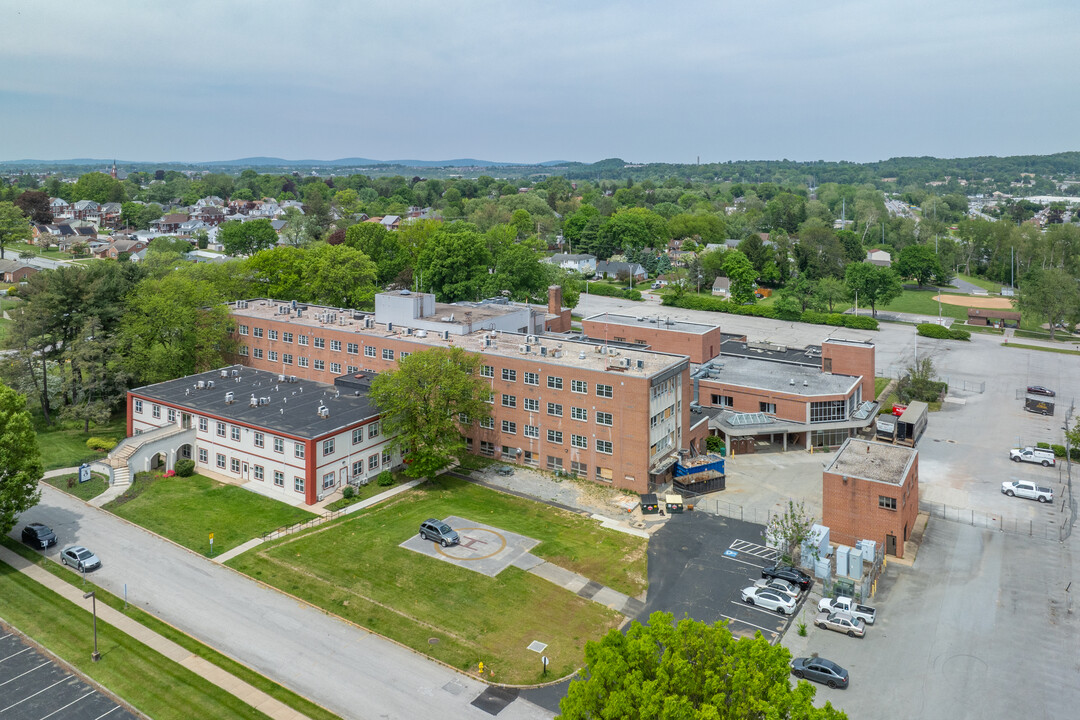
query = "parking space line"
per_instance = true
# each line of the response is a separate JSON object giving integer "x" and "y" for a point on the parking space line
{"x": 5, "y": 637}
{"x": 761, "y": 609}
{"x": 761, "y": 551}
{"x": 744, "y": 562}
{"x": 3, "y": 710}
{"x": 14, "y": 654}
{"x": 768, "y": 630}
{"x": 25, "y": 673}
{"x": 115, "y": 708}
{"x": 45, "y": 717}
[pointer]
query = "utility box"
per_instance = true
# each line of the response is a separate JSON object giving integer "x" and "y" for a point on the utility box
{"x": 842, "y": 552}
{"x": 649, "y": 504}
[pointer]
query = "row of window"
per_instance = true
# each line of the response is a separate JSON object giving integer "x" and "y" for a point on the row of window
{"x": 373, "y": 463}
{"x": 317, "y": 342}
{"x": 555, "y": 436}
{"x": 553, "y": 382}
{"x": 553, "y": 409}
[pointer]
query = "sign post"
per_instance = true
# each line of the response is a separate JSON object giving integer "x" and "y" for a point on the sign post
{"x": 211, "y": 544}
{"x": 543, "y": 659}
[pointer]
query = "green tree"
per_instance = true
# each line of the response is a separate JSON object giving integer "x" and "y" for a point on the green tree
{"x": 803, "y": 291}
{"x": 919, "y": 262}
{"x": 36, "y": 206}
{"x": 1051, "y": 295}
{"x": 277, "y": 272}
{"x": 790, "y": 529}
{"x": 14, "y": 227}
{"x": 168, "y": 244}
{"x": 740, "y": 271}
{"x": 636, "y": 228}
{"x": 454, "y": 263}
{"x": 831, "y": 291}
{"x": 421, "y": 402}
{"x": 247, "y": 238}
{"x": 872, "y": 284}
{"x": 20, "y": 459}
{"x": 98, "y": 187}
{"x": 689, "y": 670}
{"x": 340, "y": 276}
{"x": 96, "y": 382}
{"x": 385, "y": 249}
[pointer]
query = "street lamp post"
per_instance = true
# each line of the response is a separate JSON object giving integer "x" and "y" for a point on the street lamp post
{"x": 96, "y": 656}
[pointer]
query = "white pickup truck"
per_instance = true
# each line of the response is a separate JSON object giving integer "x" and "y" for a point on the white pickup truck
{"x": 1033, "y": 455}
{"x": 846, "y": 605}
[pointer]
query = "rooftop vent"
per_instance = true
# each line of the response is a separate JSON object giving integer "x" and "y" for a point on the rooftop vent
{"x": 229, "y": 398}
{"x": 324, "y": 412}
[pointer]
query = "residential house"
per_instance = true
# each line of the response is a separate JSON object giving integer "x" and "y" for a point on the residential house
{"x": 170, "y": 224}
{"x": 391, "y": 222}
{"x": 110, "y": 215}
{"x": 879, "y": 258}
{"x": 721, "y": 287}
{"x": 121, "y": 246}
{"x": 193, "y": 226}
{"x": 582, "y": 263}
{"x": 86, "y": 210}
{"x": 613, "y": 268}
{"x": 60, "y": 207}
{"x": 15, "y": 271}
{"x": 210, "y": 214}
{"x": 209, "y": 201}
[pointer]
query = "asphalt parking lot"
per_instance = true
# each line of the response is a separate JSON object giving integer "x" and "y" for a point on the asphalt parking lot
{"x": 698, "y": 565}
{"x": 35, "y": 687}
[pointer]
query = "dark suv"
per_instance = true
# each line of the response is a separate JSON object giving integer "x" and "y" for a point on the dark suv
{"x": 438, "y": 531}
{"x": 793, "y": 575}
{"x": 40, "y": 535}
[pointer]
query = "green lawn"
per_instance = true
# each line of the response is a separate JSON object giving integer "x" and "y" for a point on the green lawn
{"x": 20, "y": 248}
{"x": 296, "y": 702}
{"x": 354, "y": 568}
{"x": 364, "y": 492}
{"x": 187, "y": 510}
{"x": 879, "y": 384}
{"x": 61, "y": 448}
{"x": 88, "y": 490}
{"x": 1040, "y": 348}
{"x": 922, "y": 302}
{"x": 156, "y": 686}
{"x": 987, "y": 285}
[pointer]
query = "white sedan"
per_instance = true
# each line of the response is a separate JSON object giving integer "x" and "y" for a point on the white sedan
{"x": 779, "y": 585}
{"x": 769, "y": 599}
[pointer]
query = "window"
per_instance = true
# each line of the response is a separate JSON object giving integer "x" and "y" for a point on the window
{"x": 328, "y": 447}
{"x": 358, "y": 468}
{"x": 829, "y": 411}
{"x": 260, "y": 473}
{"x": 577, "y": 413}
{"x": 171, "y": 415}
{"x": 335, "y": 368}
{"x": 531, "y": 431}
{"x": 509, "y": 401}
{"x": 386, "y": 455}
{"x": 387, "y": 354}
{"x": 221, "y": 461}
{"x": 279, "y": 478}
{"x": 555, "y": 409}
{"x": 234, "y": 465}
{"x": 320, "y": 364}
{"x": 463, "y": 418}
{"x": 357, "y": 435}
{"x": 579, "y": 386}
{"x": 203, "y": 424}
{"x": 531, "y": 458}
{"x": 335, "y": 345}
{"x": 353, "y": 348}
{"x": 221, "y": 429}
{"x": 204, "y": 457}
{"x": 155, "y": 410}
{"x": 555, "y": 436}
{"x": 723, "y": 401}
{"x": 402, "y": 355}
{"x": 318, "y": 342}
{"x": 328, "y": 480}
{"x": 767, "y": 408}
{"x": 234, "y": 432}
{"x": 257, "y": 332}
{"x": 554, "y": 463}
{"x": 487, "y": 423}
{"x": 279, "y": 445}
{"x": 531, "y": 405}
{"x": 603, "y": 391}
{"x": 579, "y": 441}
{"x": 286, "y": 358}
{"x": 257, "y": 353}
{"x": 487, "y": 371}
{"x": 373, "y": 462}
{"x": 242, "y": 329}
{"x": 490, "y": 398}
{"x": 373, "y": 430}
{"x": 138, "y": 406}
{"x": 603, "y": 446}
{"x": 243, "y": 350}
{"x": 369, "y": 351}
{"x": 272, "y": 356}
{"x": 532, "y": 378}
{"x": 352, "y": 369}
{"x": 260, "y": 439}
{"x": 298, "y": 450}
{"x": 286, "y": 337}
{"x": 298, "y": 484}
{"x": 302, "y": 362}
{"x": 487, "y": 448}
{"x": 508, "y": 452}
{"x": 272, "y": 334}
{"x": 509, "y": 375}
{"x": 887, "y": 503}
{"x": 302, "y": 340}
{"x": 579, "y": 469}
{"x": 510, "y": 428}
{"x": 603, "y": 418}
{"x": 555, "y": 383}
{"x": 604, "y": 474}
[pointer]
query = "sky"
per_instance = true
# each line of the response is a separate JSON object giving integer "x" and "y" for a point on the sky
{"x": 533, "y": 81}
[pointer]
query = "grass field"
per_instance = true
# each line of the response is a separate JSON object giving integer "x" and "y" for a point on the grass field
{"x": 1040, "y": 348}
{"x": 287, "y": 697}
{"x": 156, "y": 686}
{"x": 187, "y": 510}
{"x": 61, "y": 448}
{"x": 88, "y": 490}
{"x": 921, "y": 302}
{"x": 988, "y": 285}
{"x": 355, "y": 568}
{"x": 879, "y": 384}
{"x": 20, "y": 248}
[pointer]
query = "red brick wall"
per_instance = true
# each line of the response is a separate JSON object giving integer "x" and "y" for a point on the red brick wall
{"x": 851, "y": 510}
{"x": 701, "y": 347}
{"x": 851, "y": 359}
{"x": 788, "y": 407}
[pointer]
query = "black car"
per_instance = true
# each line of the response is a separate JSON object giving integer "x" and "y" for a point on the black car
{"x": 793, "y": 575}
{"x": 820, "y": 670}
{"x": 40, "y": 535}
{"x": 1040, "y": 390}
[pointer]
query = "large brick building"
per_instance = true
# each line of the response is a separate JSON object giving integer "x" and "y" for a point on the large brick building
{"x": 871, "y": 491}
{"x": 699, "y": 341}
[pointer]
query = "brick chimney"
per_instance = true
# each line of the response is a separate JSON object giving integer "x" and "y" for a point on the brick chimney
{"x": 554, "y": 299}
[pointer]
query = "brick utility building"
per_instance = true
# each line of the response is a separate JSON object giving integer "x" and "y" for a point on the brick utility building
{"x": 817, "y": 396}
{"x": 699, "y": 341}
{"x": 284, "y": 436}
{"x": 871, "y": 491}
{"x": 614, "y": 414}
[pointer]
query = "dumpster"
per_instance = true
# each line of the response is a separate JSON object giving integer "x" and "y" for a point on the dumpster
{"x": 649, "y": 504}
{"x": 674, "y": 504}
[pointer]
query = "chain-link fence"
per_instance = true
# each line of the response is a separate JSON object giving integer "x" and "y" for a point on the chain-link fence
{"x": 1055, "y": 529}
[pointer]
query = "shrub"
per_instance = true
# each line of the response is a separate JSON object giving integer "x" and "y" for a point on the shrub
{"x": 715, "y": 304}
{"x": 386, "y": 479}
{"x": 1059, "y": 450}
{"x": 714, "y": 443}
{"x": 185, "y": 467}
{"x": 1074, "y": 453}
{"x": 631, "y": 294}
{"x": 100, "y": 444}
{"x": 1043, "y": 445}
{"x": 860, "y": 322}
{"x": 932, "y": 330}
{"x": 958, "y": 334}
{"x": 835, "y": 319}
{"x": 348, "y": 492}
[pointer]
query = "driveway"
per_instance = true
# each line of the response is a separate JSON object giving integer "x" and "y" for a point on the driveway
{"x": 349, "y": 671}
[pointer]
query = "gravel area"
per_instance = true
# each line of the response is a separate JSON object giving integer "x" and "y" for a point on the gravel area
{"x": 583, "y": 495}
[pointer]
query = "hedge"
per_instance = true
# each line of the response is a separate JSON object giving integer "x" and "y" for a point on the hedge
{"x": 933, "y": 330}
{"x": 609, "y": 291}
{"x": 702, "y": 302}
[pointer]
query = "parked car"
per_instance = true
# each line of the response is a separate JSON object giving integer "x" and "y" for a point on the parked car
{"x": 40, "y": 535}
{"x": 846, "y": 605}
{"x": 793, "y": 575}
{"x": 841, "y": 622}
{"x": 1040, "y": 390}
{"x": 438, "y": 531}
{"x": 777, "y": 585}
{"x": 769, "y": 599}
{"x": 1027, "y": 489}
{"x": 820, "y": 670}
{"x": 79, "y": 558}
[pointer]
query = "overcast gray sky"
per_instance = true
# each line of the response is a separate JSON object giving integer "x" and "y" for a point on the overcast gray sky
{"x": 530, "y": 81}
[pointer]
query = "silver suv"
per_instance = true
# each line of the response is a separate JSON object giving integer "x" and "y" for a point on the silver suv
{"x": 438, "y": 531}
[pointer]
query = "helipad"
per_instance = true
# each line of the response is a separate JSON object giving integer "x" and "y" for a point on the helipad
{"x": 483, "y": 548}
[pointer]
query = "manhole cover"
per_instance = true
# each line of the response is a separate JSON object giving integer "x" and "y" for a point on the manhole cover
{"x": 433, "y": 641}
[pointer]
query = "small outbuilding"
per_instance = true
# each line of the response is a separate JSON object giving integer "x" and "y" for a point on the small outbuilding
{"x": 992, "y": 317}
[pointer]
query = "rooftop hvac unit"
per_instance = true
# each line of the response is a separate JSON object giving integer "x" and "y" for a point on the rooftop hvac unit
{"x": 791, "y": 381}
{"x": 421, "y": 333}
{"x": 264, "y": 400}
{"x": 229, "y": 398}
{"x": 445, "y": 334}
{"x": 523, "y": 348}
{"x": 200, "y": 385}
{"x": 209, "y": 383}
{"x": 581, "y": 355}
{"x": 254, "y": 402}
{"x": 292, "y": 378}
{"x": 281, "y": 378}
{"x": 805, "y": 383}
{"x": 557, "y": 354}
{"x": 408, "y": 331}
{"x": 235, "y": 372}
{"x": 530, "y": 339}
{"x": 389, "y": 327}
{"x": 367, "y": 321}
{"x": 299, "y": 313}
{"x": 323, "y": 411}
{"x": 543, "y": 352}
{"x": 224, "y": 373}
{"x": 627, "y": 361}
{"x": 640, "y": 364}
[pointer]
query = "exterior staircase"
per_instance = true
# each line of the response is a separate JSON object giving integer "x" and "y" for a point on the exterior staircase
{"x": 119, "y": 460}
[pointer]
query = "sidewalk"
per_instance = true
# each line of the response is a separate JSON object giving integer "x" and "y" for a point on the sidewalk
{"x": 231, "y": 684}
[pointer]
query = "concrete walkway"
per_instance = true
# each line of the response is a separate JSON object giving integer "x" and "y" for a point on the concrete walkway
{"x": 111, "y": 493}
{"x": 230, "y": 683}
{"x": 580, "y": 585}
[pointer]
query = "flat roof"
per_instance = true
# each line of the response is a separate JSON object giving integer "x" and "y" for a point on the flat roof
{"x": 292, "y": 408}
{"x": 740, "y": 347}
{"x": 653, "y": 322}
{"x": 775, "y": 377}
{"x": 876, "y": 461}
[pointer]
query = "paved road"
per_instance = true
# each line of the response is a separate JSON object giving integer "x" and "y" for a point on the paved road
{"x": 349, "y": 671}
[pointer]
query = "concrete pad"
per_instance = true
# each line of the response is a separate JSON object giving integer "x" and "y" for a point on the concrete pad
{"x": 560, "y": 576}
{"x": 527, "y": 562}
{"x": 484, "y": 548}
{"x": 611, "y": 598}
